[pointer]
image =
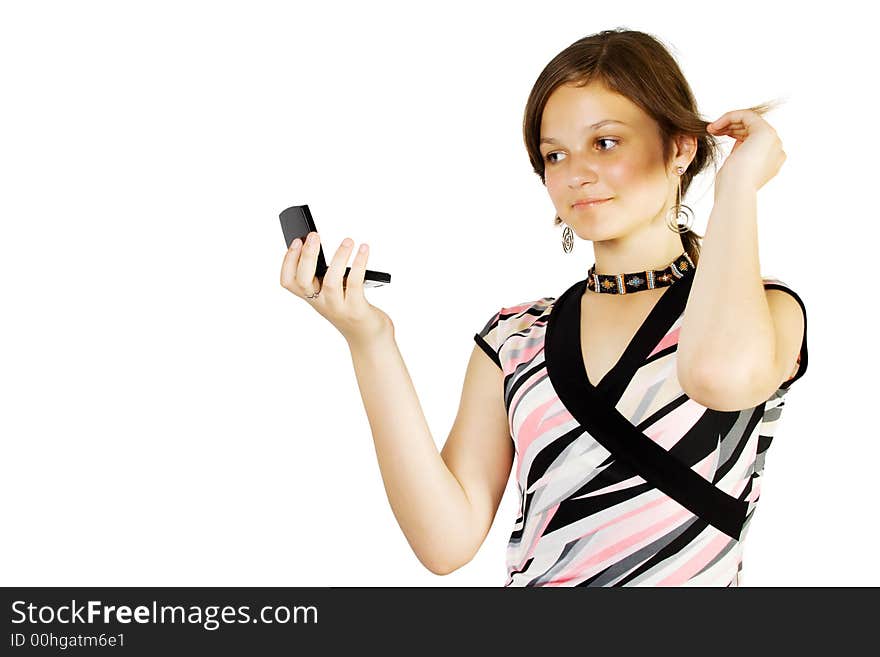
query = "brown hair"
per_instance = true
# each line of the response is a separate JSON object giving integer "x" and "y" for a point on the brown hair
{"x": 638, "y": 66}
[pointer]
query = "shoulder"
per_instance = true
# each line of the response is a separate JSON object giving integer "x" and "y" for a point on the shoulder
{"x": 513, "y": 319}
{"x": 777, "y": 288}
{"x": 525, "y": 309}
{"x": 789, "y": 315}
{"x": 786, "y": 305}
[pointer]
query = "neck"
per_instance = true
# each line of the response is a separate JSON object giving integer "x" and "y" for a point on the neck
{"x": 652, "y": 248}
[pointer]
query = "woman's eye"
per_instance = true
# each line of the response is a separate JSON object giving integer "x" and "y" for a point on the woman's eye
{"x": 601, "y": 139}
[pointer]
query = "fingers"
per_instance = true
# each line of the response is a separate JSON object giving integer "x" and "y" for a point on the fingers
{"x": 739, "y": 124}
{"x": 288, "y": 267}
{"x": 300, "y": 262}
{"x": 351, "y": 287}
{"x": 735, "y": 129}
{"x": 308, "y": 261}
{"x": 332, "y": 286}
{"x": 355, "y": 285}
{"x": 298, "y": 268}
{"x": 740, "y": 117}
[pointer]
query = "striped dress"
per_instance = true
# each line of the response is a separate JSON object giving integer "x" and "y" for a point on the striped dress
{"x": 630, "y": 482}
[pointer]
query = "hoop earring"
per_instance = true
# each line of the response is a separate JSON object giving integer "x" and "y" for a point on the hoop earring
{"x": 567, "y": 239}
{"x": 672, "y": 219}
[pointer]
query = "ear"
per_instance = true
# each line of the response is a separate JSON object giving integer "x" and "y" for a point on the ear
{"x": 685, "y": 147}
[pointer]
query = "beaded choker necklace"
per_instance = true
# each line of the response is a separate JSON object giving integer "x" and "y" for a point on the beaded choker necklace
{"x": 640, "y": 280}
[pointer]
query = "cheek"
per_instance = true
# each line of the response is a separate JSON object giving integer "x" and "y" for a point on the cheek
{"x": 638, "y": 182}
{"x": 624, "y": 175}
{"x": 554, "y": 184}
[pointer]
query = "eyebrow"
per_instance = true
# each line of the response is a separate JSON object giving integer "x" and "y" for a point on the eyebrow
{"x": 551, "y": 140}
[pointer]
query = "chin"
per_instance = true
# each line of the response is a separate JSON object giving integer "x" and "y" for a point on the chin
{"x": 595, "y": 230}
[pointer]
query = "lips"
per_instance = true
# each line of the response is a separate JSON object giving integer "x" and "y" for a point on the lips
{"x": 589, "y": 203}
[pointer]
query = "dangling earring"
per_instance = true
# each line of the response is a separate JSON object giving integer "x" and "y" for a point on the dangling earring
{"x": 567, "y": 239}
{"x": 680, "y": 209}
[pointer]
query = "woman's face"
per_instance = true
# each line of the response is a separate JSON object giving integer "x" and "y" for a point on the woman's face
{"x": 623, "y": 161}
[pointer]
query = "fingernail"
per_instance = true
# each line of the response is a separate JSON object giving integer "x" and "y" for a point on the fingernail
{"x": 363, "y": 248}
{"x": 295, "y": 244}
{"x": 347, "y": 242}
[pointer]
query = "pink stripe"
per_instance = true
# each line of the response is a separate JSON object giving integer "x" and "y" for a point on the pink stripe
{"x": 533, "y": 426}
{"x": 662, "y": 499}
{"x": 669, "y": 429}
{"x": 522, "y": 391}
{"x": 705, "y": 467}
{"x": 668, "y": 340}
{"x": 740, "y": 487}
{"x": 579, "y": 569}
{"x": 620, "y": 485}
{"x": 696, "y": 563}
{"x": 756, "y": 490}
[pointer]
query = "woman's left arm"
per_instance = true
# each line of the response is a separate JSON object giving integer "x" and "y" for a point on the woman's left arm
{"x": 738, "y": 341}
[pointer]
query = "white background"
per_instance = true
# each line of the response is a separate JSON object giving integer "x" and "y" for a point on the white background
{"x": 172, "y": 416}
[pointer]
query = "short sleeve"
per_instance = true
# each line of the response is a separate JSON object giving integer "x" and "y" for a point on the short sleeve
{"x": 507, "y": 323}
{"x": 776, "y": 284}
{"x": 489, "y": 338}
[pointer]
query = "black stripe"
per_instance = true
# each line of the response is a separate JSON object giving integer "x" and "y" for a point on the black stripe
{"x": 612, "y": 430}
{"x": 488, "y": 349}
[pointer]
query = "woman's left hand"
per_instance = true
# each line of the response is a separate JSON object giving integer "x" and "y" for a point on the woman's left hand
{"x": 757, "y": 154}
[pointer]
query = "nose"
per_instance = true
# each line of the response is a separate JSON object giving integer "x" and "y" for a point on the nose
{"x": 581, "y": 169}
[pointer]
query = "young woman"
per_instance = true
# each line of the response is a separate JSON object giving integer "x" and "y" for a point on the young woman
{"x": 639, "y": 404}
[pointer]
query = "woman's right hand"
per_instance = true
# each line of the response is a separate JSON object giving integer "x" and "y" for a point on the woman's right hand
{"x": 342, "y": 303}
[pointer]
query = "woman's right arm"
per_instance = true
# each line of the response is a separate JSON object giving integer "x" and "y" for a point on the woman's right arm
{"x": 444, "y": 503}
